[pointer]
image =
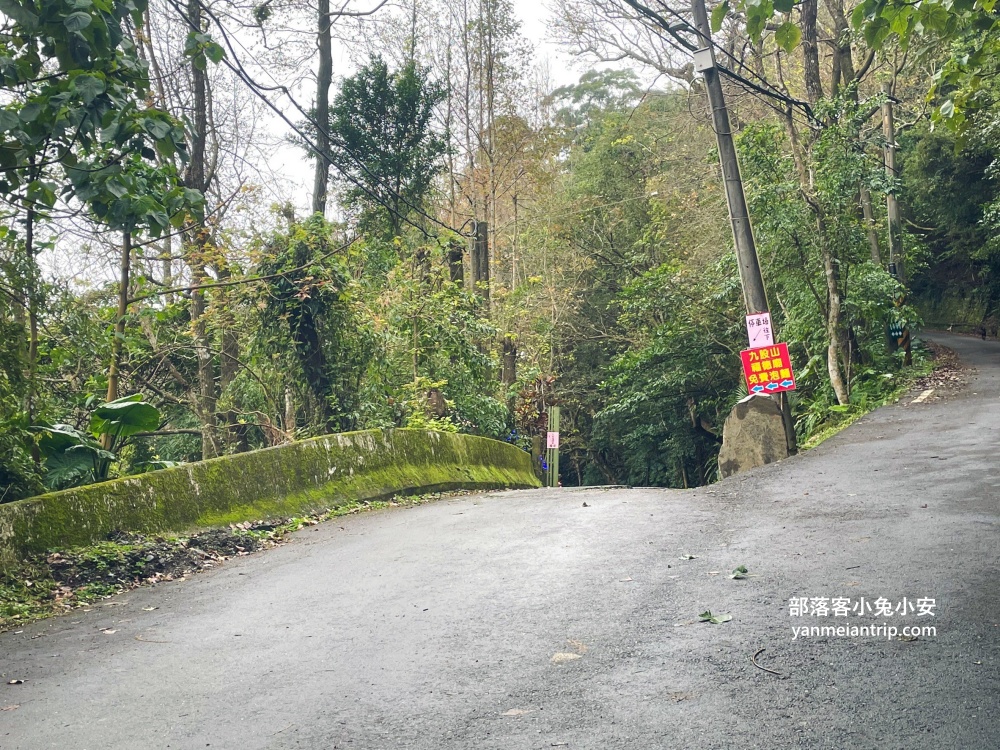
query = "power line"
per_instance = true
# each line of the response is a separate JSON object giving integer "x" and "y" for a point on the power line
{"x": 765, "y": 87}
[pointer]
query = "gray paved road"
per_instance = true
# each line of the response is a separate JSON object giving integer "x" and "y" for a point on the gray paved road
{"x": 436, "y": 627}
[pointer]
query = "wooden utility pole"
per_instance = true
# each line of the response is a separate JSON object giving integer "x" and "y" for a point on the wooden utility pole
{"x": 746, "y": 250}
{"x": 455, "y": 270}
{"x": 508, "y": 374}
{"x": 481, "y": 262}
{"x": 751, "y": 280}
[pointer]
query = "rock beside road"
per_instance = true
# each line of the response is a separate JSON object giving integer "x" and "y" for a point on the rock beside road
{"x": 754, "y": 435}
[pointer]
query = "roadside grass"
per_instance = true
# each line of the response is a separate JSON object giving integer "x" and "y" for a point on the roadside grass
{"x": 61, "y": 581}
{"x": 926, "y": 362}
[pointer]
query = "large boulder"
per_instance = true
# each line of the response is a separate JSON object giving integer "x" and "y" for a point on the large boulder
{"x": 754, "y": 435}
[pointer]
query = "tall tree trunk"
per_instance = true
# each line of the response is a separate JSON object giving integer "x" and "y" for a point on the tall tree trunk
{"x": 508, "y": 374}
{"x": 833, "y": 310}
{"x": 125, "y": 269}
{"x": 810, "y": 51}
{"x": 167, "y": 265}
{"x": 197, "y": 244}
{"x": 843, "y": 60}
{"x": 229, "y": 362}
{"x": 114, "y": 368}
{"x": 833, "y": 348}
{"x": 869, "y": 220}
{"x": 207, "y": 399}
{"x": 31, "y": 298}
{"x": 324, "y": 78}
{"x": 288, "y": 418}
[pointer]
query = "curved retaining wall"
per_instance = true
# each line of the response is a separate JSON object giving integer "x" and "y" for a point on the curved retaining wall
{"x": 307, "y": 476}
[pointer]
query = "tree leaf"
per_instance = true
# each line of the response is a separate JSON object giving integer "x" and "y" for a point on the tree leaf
{"x": 30, "y": 112}
{"x": 719, "y": 13}
{"x": 125, "y": 417}
{"x": 77, "y": 21}
{"x": 88, "y": 87}
{"x": 788, "y": 36}
{"x": 159, "y": 129}
{"x": 8, "y": 120}
{"x": 19, "y": 13}
{"x": 214, "y": 52}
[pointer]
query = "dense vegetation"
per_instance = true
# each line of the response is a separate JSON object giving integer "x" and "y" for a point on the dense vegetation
{"x": 479, "y": 245}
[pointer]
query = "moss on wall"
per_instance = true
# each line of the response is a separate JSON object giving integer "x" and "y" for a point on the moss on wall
{"x": 306, "y": 476}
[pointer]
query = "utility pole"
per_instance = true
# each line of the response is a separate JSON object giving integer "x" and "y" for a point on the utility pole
{"x": 751, "y": 280}
{"x": 480, "y": 258}
{"x": 746, "y": 251}
{"x": 900, "y": 336}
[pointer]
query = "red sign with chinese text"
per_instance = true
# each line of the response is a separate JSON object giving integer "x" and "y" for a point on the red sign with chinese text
{"x": 768, "y": 369}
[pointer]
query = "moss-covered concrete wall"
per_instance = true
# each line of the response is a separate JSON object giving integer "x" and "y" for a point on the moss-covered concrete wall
{"x": 311, "y": 475}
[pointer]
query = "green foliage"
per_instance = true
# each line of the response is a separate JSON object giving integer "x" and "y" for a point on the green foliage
{"x": 431, "y": 337}
{"x": 950, "y": 192}
{"x": 73, "y": 457}
{"x": 19, "y": 476}
{"x": 77, "y": 82}
{"x": 968, "y": 30}
{"x": 596, "y": 93}
{"x": 310, "y": 320}
{"x": 383, "y": 143}
{"x": 124, "y": 417}
{"x": 130, "y": 194}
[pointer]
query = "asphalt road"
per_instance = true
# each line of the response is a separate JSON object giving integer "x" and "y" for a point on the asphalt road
{"x": 439, "y": 626}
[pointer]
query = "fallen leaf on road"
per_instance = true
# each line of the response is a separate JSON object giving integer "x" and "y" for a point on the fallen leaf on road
{"x": 625, "y": 580}
{"x": 718, "y": 619}
{"x": 517, "y": 712}
{"x": 689, "y": 557}
{"x": 10, "y": 708}
{"x": 562, "y": 657}
{"x": 579, "y": 646}
{"x": 147, "y": 640}
{"x": 149, "y": 609}
{"x": 109, "y": 631}
{"x": 739, "y": 573}
{"x": 15, "y": 682}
